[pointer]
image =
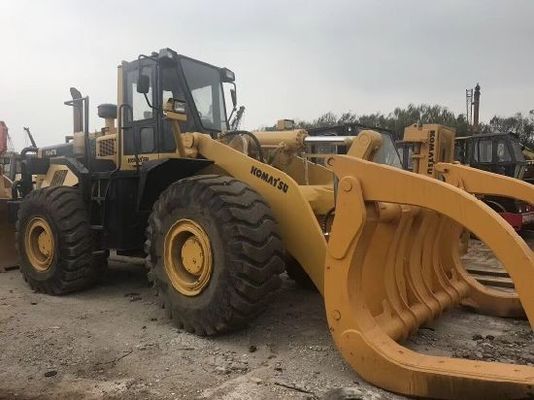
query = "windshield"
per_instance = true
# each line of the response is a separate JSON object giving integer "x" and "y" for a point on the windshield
{"x": 387, "y": 153}
{"x": 205, "y": 84}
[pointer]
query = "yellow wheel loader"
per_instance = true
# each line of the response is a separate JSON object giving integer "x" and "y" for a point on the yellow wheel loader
{"x": 217, "y": 212}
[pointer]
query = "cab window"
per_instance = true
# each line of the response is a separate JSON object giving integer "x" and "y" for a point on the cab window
{"x": 503, "y": 154}
{"x": 140, "y": 109}
{"x": 206, "y": 88}
{"x": 483, "y": 151}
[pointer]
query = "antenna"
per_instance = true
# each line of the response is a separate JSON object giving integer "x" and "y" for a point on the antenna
{"x": 472, "y": 107}
{"x": 469, "y": 106}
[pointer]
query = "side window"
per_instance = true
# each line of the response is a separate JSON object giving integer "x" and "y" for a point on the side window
{"x": 503, "y": 153}
{"x": 140, "y": 108}
{"x": 204, "y": 102}
{"x": 483, "y": 151}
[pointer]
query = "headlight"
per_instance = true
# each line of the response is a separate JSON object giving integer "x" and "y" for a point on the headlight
{"x": 178, "y": 106}
{"x": 175, "y": 105}
{"x": 227, "y": 75}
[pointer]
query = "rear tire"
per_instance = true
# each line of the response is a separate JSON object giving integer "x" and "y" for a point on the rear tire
{"x": 55, "y": 242}
{"x": 239, "y": 237}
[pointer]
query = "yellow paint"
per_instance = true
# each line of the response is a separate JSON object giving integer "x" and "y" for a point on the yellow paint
{"x": 39, "y": 244}
{"x": 187, "y": 257}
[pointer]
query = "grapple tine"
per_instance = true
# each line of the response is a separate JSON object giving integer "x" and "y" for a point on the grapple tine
{"x": 427, "y": 278}
{"x": 392, "y": 287}
{"x": 482, "y": 298}
{"x": 418, "y": 266}
{"x": 475, "y": 295}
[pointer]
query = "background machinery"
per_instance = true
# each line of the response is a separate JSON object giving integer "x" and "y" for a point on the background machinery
{"x": 215, "y": 212}
{"x": 499, "y": 153}
{"x": 8, "y": 171}
{"x": 502, "y": 154}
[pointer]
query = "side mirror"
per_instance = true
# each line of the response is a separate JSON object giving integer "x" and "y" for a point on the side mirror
{"x": 233, "y": 94}
{"x": 143, "y": 84}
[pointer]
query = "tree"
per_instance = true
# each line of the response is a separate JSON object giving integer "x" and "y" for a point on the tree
{"x": 400, "y": 118}
{"x": 396, "y": 120}
{"x": 518, "y": 124}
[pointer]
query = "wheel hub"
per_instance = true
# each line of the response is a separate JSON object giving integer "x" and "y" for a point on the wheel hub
{"x": 39, "y": 244}
{"x": 193, "y": 256}
{"x": 187, "y": 257}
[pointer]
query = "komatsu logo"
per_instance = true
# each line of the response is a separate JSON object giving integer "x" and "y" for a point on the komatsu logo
{"x": 271, "y": 180}
{"x": 142, "y": 159}
{"x": 50, "y": 153}
{"x": 431, "y": 153}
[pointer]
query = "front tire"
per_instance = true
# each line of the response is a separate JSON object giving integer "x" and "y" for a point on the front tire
{"x": 214, "y": 253}
{"x": 55, "y": 242}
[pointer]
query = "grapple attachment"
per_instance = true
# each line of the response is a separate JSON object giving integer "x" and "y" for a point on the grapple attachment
{"x": 393, "y": 264}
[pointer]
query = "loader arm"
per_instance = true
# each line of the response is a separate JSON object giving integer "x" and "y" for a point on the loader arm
{"x": 485, "y": 183}
{"x": 299, "y": 227}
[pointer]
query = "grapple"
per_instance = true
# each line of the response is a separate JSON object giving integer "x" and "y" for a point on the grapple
{"x": 393, "y": 264}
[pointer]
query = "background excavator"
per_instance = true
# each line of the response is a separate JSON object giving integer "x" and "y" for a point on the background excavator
{"x": 216, "y": 213}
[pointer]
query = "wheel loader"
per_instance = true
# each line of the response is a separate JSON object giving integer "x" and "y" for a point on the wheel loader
{"x": 217, "y": 213}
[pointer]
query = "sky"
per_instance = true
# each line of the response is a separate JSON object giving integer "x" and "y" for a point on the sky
{"x": 293, "y": 59}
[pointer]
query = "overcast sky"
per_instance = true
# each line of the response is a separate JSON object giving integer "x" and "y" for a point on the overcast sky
{"x": 293, "y": 59}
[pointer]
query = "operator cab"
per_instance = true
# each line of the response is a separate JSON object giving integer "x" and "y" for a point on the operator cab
{"x": 150, "y": 81}
{"x": 499, "y": 153}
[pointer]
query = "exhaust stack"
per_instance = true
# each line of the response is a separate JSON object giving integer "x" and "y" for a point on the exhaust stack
{"x": 77, "y": 110}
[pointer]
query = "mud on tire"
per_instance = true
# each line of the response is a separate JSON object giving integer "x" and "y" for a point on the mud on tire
{"x": 247, "y": 252}
{"x": 74, "y": 266}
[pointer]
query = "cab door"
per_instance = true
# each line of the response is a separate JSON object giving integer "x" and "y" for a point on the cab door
{"x": 139, "y": 118}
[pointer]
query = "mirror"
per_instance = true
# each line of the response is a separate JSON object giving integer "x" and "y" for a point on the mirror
{"x": 143, "y": 84}
{"x": 233, "y": 94}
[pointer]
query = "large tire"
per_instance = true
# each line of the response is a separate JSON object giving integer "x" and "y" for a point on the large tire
{"x": 245, "y": 251}
{"x": 57, "y": 216}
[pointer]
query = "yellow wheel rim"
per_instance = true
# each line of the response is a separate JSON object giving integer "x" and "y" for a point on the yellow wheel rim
{"x": 39, "y": 244}
{"x": 187, "y": 257}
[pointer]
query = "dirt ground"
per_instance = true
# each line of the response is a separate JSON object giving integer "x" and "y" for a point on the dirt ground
{"x": 114, "y": 342}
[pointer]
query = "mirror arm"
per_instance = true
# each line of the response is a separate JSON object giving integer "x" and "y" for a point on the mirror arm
{"x": 234, "y": 104}
{"x": 150, "y": 104}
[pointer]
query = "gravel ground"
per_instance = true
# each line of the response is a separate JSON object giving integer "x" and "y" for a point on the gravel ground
{"x": 114, "y": 342}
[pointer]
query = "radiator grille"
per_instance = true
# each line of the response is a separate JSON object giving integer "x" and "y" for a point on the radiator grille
{"x": 106, "y": 147}
{"x": 59, "y": 178}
